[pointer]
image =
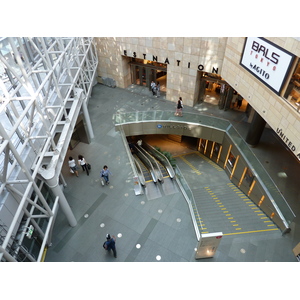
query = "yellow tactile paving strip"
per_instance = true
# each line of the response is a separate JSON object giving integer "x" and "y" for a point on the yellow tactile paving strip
{"x": 220, "y": 205}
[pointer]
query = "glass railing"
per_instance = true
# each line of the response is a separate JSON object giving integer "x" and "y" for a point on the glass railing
{"x": 223, "y": 125}
{"x": 191, "y": 201}
{"x": 160, "y": 115}
{"x": 262, "y": 175}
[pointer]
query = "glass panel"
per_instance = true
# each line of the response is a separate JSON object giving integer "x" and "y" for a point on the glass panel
{"x": 231, "y": 160}
{"x": 137, "y": 75}
{"x": 292, "y": 93}
{"x": 223, "y": 125}
{"x": 144, "y": 77}
{"x": 249, "y": 177}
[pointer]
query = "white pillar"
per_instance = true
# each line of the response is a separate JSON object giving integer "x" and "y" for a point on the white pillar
{"x": 53, "y": 183}
{"x": 87, "y": 119}
{"x": 6, "y": 255}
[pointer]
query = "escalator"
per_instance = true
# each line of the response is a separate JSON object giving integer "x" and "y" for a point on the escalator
{"x": 147, "y": 162}
{"x": 169, "y": 185}
{"x": 152, "y": 168}
{"x": 152, "y": 163}
{"x": 165, "y": 165}
{"x": 143, "y": 172}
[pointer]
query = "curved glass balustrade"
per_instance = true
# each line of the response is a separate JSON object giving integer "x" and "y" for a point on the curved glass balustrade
{"x": 278, "y": 201}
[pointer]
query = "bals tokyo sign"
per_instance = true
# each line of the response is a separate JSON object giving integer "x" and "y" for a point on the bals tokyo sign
{"x": 266, "y": 61}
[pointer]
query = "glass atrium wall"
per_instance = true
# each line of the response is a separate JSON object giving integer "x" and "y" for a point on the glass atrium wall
{"x": 44, "y": 84}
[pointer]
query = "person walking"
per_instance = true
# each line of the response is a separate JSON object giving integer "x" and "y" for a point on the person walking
{"x": 105, "y": 174}
{"x": 179, "y": 107}
{"x": 110, "y": 244}
{"x": 153, "y": 87}
{"x": 158, "y": 90}
{"x": 73, "y": 166}
{"x": 83, "y": 163}
{"x": 239, "y": 101}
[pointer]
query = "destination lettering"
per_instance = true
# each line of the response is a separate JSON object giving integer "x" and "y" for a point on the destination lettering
{"x": 166, "y": 61}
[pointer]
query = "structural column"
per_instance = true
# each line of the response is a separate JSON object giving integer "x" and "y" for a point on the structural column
{"x": 63, "y": 203}
{"x": 256, "y": 129}
{"x": 87, "y": 120}
{"x": 6, "y": 255}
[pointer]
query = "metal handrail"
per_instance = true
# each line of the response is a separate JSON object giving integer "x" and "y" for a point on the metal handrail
{"x": 189, "y": 197}
{"x": 160, "y": 157}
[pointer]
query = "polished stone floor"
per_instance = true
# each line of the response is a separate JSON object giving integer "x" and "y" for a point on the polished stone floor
{"x": 159, "y": 230}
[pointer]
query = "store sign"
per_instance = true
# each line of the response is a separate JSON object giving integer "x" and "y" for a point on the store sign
{"x": 267, "y": 62}
{"x": 166, "y": 60}
{"x": 159, "y": 126}
{"x": 288, "y": 142}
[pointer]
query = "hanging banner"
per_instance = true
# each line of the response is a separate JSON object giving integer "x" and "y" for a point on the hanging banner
{"x": 267, "y": 61}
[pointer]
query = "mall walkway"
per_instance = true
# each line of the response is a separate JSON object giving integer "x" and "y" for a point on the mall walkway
{"x": 160, "y": 229}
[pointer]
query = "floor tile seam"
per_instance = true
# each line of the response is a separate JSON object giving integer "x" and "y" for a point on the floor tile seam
{"x": 226, "y": 201}
{"x": 250, "y": 226}
{"x": 167, "y": 248}
{"x": 143, "y": 236}
{"x": 234, "y": 201}
{"x": 80, "y": 222}
{"x": 209, "y": 161}
{"x": 209, "y": 216}
{"x": 228, "y": 230}
{"x": 220, "y": 190}
{"x": 241, "y": 223}
{"x": 207, "y": 164}
{"x": 225, "y": 213}
{"x": 230, "y": 201}
{"x": 191, "y": 166}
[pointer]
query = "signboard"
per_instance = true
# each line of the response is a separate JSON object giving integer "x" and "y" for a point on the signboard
{"x": 267, "y": 62}
{"x": 208, "y": 245}
{"x": 137, "y": 186}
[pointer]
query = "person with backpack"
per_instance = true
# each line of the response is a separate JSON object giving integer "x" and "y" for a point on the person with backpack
{"x": 110, "y": 244}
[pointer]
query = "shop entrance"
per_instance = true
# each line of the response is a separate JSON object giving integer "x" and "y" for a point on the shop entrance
{"x": 144, "y": 71}
{"x": 216, "y": 91}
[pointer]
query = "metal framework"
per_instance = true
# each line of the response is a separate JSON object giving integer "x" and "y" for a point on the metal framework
{"x": 44, "y": 84}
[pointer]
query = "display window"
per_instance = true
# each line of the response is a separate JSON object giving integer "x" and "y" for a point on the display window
{"x": 292, "y": 93}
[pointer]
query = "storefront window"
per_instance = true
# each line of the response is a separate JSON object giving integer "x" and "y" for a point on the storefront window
{"x": 231, "y": 160}
{"x": 292, "y": 93}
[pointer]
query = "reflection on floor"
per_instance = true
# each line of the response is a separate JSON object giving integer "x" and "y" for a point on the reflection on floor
{"x": 159, "y": 229}
{"x": 212, "y": 97}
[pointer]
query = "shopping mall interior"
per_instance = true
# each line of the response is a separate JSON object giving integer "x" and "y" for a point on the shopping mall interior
{"x": 240, "y": 197}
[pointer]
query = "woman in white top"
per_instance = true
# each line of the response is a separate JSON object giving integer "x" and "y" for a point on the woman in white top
{"x": 73, "y": 166}
{"x": 83, "y": 164}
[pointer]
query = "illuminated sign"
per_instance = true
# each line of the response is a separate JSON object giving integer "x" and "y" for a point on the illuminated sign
{"x": 159, "y": 126}
{"x": 267, "y": 62}
{"x": 208, "y": 245}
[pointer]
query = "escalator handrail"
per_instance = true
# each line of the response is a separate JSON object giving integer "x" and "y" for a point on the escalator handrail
{"x": 153, "y": 161}
{"x": 147, "y": 162}
{"x": 139, "y": 171}
{"x": 162, "y": 158}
